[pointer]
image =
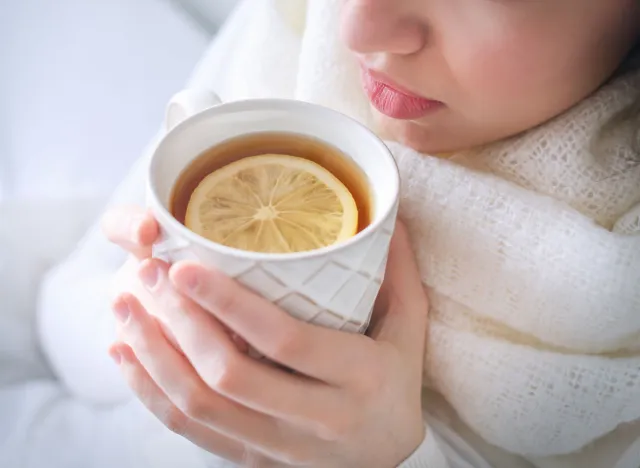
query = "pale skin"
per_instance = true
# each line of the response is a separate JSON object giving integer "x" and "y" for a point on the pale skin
{"x": 354, "y": 400}
{"x": 500, "y": 67}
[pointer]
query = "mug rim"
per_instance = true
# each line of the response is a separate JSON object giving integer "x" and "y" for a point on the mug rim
{"x": 170, "y": 222}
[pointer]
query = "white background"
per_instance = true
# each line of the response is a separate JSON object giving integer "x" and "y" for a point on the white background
{"x": 83, "y": 84}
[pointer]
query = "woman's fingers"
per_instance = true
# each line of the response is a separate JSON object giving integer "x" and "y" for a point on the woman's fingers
{"x": 174, "y": 375}
{"x": 133, "y": 229}
{"x": 327, "y": 355}
{"x": 159, "y": 404}
{"x": 215, "y": 356}
{"x": 401, "y": 312}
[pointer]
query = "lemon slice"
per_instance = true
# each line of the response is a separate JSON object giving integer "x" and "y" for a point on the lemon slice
{"x": 273, "y": 204}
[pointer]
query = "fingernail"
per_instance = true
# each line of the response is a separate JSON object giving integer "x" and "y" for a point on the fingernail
{"x": 121, "y": 311}
{"x": 149, "y": 276}
{"x": 115, "y": 355}
{"x": 191, "y": 280}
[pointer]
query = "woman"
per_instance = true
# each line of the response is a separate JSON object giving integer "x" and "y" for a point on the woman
{"x": 525, "y": 235}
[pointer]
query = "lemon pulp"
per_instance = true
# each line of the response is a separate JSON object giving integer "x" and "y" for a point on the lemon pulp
{"x": 273, "y": 204}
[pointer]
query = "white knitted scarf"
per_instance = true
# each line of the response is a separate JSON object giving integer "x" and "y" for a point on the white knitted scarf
{"x": 529, "y": 247}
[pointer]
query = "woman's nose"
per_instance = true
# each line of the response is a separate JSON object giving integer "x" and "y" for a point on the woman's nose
{"x": 382, "y": 26}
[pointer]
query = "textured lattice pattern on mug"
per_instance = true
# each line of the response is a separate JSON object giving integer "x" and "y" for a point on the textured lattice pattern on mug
{"x": 336, "y": 290}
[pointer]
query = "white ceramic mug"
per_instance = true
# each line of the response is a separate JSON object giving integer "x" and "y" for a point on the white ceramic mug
{"x": 335, "y": 286}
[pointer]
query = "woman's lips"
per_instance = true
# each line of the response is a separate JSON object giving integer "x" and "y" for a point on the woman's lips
{"x": 393, "y": 101}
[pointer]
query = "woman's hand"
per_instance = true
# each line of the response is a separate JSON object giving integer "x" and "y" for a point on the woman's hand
{"x": 353, "y": 400}
{"x": 135, "y": 231}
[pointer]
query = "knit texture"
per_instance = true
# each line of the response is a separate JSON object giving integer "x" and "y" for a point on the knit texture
{"x": 529, "y": 248}
{"x": 535, "y": 323}
{"x": 427, "y": 455}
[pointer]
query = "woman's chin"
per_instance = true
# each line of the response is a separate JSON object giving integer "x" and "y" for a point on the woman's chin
{"x": 436, "y": 137}
{"x": 408, "y": 133}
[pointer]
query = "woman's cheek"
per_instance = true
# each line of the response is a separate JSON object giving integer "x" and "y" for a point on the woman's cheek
{"x": 498, "y": 75}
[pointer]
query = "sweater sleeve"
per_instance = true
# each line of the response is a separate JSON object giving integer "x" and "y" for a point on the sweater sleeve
{"x": 629, "y": 223}
{"x": 427, "y": 455}
{"x": 74, "y": 322}
{"x": 450, "y": 446}
{"x": 75, "y": 325}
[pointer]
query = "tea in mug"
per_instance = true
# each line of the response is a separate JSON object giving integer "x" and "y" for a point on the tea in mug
{"x": 273, "y": 193}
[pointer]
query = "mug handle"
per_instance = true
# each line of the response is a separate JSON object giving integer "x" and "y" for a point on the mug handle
{"x": 183, "y": 105}
{"x": 188, "y": 103}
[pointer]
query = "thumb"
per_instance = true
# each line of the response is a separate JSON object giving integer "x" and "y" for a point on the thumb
{"x": 400, "y": 315}
{"x": 132, "y": 228}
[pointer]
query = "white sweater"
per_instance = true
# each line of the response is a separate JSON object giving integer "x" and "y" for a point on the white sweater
{"x": 481, "y": 357}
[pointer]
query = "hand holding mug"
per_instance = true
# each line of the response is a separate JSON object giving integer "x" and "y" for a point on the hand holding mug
{"x": 185, "y": 314}
{"x": 349, "y": 392}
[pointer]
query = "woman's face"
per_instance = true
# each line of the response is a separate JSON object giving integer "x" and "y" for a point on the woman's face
{"x": 453, "y": 74}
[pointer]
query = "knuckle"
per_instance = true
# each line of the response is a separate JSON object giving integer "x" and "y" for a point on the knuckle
{"x": 193, "y": 403}
{"x": 140, "y": 336}
{"x": 290, "y": 343}
{"x": 175, "y": 421}
{"x": 225, "y": 300}
{"x": 226, "y": 373}
{"x": 181, "y": 307}
{"x": 175, "y": 310}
